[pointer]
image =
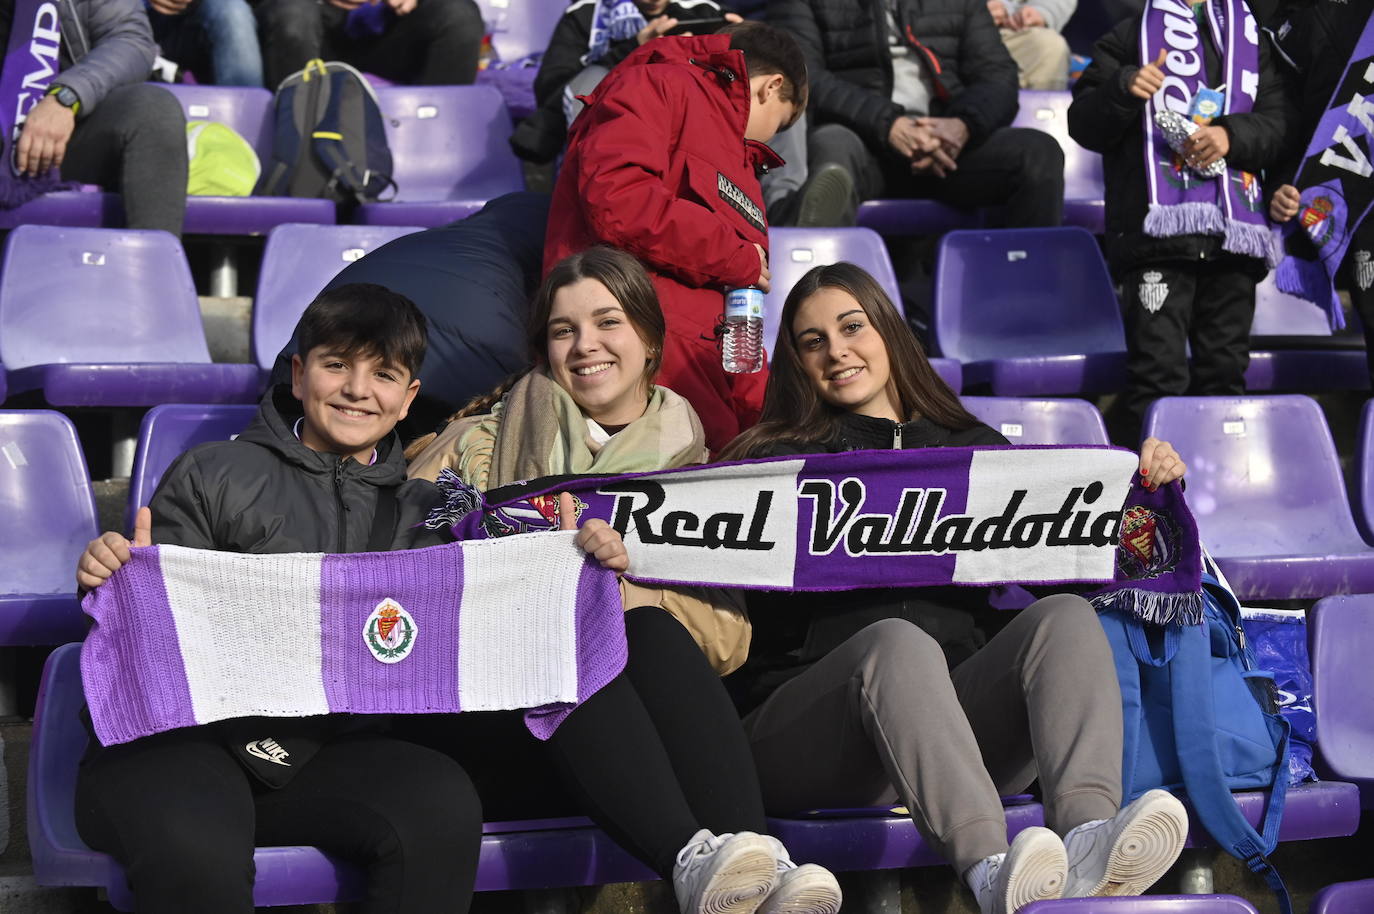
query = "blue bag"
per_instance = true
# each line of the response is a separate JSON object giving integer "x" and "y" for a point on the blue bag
{"x": 1227, "y": 734}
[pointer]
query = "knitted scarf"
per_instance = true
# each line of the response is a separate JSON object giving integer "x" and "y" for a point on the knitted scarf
{"x": 908, "y": 518}
{"x": 1336, "y": 180}
{"x": 31, "y": 62}
{"x": 191, "y": 636}
{"x": 613, "y": 20}
{"x": 1181, "y": 201}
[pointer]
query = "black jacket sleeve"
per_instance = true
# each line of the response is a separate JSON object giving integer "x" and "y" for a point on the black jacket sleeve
{"x": 1103, "y": 109}
{"x": 180, "y": 514}
{"x": 989, "y": 99}
{"x": 868, "y": 113}
{"x": 562, "y": 59}
{"x": 1261, "y": 138}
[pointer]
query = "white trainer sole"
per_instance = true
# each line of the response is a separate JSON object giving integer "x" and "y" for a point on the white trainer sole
{"x": 1037, "y": 868}
{"x": 809, "y": 889}
{"x": 1150, "y": 840}
{"x": 743, "y": 878}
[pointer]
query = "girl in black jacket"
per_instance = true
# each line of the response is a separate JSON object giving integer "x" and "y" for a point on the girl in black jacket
{"x": 918, "y": 708}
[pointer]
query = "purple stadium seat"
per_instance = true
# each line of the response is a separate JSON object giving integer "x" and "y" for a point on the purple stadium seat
{"x": 1048, "y": 111}
{"x": 1342, "y": 643}
{"x": 1041, "y": 421}
{"x": 250, "y": 112}
{"x": 1325, "y": 809}
{"x": 1029, "y": 312}
{"x": 950, "y": 371}
{"x": 169, "y": 430}
{"x": 1292, "y": 363}
{"x": 1363, "y": 500}
{"x": 892, "y": 216}
{"x": 1264, "y": 483}
{"x": 450, "y": 152}
{"x": 877, "y": 842}
{"x": 298, "y": 262}
{"x": 522, "y": 28}
{"x": 108, "y": 317}
{"x": 1154, "y": 904}
{"x": 514, "y": 855}
{"x": 49, "y": 511}
{"x": 88, "y": 208}
{"x": 1345, "y": 898}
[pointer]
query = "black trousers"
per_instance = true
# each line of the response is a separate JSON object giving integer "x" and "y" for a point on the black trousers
{"x": 1358, "y": 270}
{"x": 435, "y": 44}
{"x": 183, "y": 816}
{"x": 1207, "y": 305}
{"x": 1020, "y": 168}
{"x": 135, "y": 142}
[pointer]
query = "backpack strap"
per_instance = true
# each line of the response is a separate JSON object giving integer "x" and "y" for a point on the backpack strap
{"x": 1195, "y": 734}
{"x": 383, "y": 520}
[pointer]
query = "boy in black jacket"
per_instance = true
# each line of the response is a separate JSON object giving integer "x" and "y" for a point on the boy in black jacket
{"x": 1186, "y": 279}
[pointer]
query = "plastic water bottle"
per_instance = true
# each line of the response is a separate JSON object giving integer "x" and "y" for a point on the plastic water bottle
{"x": 742, "y": 352}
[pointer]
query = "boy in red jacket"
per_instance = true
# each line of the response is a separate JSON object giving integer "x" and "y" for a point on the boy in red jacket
{"x": 664, "y": 163}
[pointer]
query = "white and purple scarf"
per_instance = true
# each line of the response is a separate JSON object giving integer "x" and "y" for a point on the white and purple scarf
{"x": 1336, "y": 181}
{"x": 1181, "y": 201}
{"x": 31, "y": 61}
{"x": 613, "y": 20}
{"x": 190, "y": 636}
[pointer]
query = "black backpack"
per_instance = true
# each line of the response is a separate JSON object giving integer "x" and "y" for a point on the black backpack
{"x": 329, "y": 137}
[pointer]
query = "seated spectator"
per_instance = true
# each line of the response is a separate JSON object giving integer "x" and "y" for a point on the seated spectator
{"x": 215, "y": 39}
{"x": 663, "y": 164}
{"x": 916, "y": 106}
{"x": 143, "y": 801}
{"x": 928, "y": 696}
{"x": 429, "y": 42}
{"x": 76, "y": 80}
{"x": 592, "y": 37}
{"x": 1030, "y": 30}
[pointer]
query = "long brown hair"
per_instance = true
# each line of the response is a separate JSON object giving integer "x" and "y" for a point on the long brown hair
{"x": 623, "y": 276}
{"x": 794, "y": 412}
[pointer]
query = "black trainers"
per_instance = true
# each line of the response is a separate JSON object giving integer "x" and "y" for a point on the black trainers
{"x": 827, "y": 198}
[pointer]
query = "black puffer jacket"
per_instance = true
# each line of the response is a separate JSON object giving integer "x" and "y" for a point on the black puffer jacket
{"x": 850, "y": 67}
{"x": 1105, "y": 117}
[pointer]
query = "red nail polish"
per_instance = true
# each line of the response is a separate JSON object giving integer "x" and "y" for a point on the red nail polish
{"x": 1145, "y": 472}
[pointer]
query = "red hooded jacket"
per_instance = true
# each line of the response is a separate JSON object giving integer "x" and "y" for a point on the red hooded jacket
{"x": 658, "y": 165}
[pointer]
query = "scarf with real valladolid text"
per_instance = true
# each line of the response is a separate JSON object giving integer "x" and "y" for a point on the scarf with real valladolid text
{"x": 1181, "y": 201}
{"x": 31, "y": 61}
{"x": 1336, "y": 183}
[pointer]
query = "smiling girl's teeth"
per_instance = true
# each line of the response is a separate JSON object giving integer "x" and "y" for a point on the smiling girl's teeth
{"x": 593, "y": 369}
{"x": 847, "y": 373}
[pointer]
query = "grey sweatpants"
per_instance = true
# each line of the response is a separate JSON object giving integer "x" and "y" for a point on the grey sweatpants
{"x": 881, "y": 718}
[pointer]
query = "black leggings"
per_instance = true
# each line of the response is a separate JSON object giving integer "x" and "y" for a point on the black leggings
{"x": 184, "y": 816}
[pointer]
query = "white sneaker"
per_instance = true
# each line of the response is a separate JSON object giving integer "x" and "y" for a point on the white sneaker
{"x": 1033, "y": 870}
{"x": 1126, "y": 854}
{"x": 724, "y": 874}
{"x": 805, "y": 889}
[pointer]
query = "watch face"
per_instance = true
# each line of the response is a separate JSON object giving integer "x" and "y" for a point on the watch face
{"x": 66, "y": 97}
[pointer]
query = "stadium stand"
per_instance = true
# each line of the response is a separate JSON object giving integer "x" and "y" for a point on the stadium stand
{"x": 1264, "y": 483}
{"x": 1029, "y": 312}
{"x": 1084, "y": 194}
{"x": 1345, "y": 898}
{"x": 1041, "y": 421}
{"x": 107, "y": 317}
{"x": 171, "y": 429}
{"x": 298, "y": 262}
{"x": 1342, "y": 638}
{"x": 50, "y": 515}
{"x": 450, "y": 152}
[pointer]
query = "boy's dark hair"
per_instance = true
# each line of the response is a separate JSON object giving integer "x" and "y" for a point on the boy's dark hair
{"x": 366, "y": 319}
{"x": 768, "y": 50}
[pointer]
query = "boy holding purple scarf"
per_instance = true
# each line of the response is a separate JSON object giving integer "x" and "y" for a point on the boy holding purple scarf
{"x": 1188, "y": 236}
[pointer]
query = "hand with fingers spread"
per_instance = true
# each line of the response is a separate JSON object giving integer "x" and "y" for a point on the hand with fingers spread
{"x": 1159, "y": 464}
{"x": 1149, "y": 79}
{"x": 596, "y": 537}
{"x": 1287, "y": 200}
{"x": 108, "y": 552}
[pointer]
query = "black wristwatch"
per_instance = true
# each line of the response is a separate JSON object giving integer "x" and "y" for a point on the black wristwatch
{"x": 66, "y": 97}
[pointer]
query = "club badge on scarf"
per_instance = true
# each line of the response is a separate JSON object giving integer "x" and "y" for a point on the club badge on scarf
{"x": 1336, "y": 183}
{"x": 30, "y": 63}
{"x": 1183, "y": 202}
{"x": 975, "y": 516}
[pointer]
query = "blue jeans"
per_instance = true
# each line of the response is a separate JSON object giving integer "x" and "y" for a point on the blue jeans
{"x": 222, "y": 33}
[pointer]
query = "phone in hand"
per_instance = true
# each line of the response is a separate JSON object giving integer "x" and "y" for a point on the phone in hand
{"x": 699, "y": 26}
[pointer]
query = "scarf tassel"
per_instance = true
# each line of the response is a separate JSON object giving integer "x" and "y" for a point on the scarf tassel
{"x": 1168, "y": 220}
{"x": 1153, "y": 606}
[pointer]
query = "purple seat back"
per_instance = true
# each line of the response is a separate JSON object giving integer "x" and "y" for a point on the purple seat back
{"x": 1013, "y": 293}
{"x": 1263, "y": 475}
{"x": 1153, "y": 904}
{"x": 1345, "y": 898}
{"x": 97, "y": 296}
{"x": 168, "y": 431}
{"x": 449, "y": 142}
{"x": 299, "y": 261}
{"x": 792, "y": 252}
{"x": 950, "y": 371}
{"x": 249, "y": 111}
{"x": 1048, "y": 111}
{"x": 1342, "y": 643}
{"x": 522, "y": 28}
{"x": 1280, "y": 314}
{"x": 1364, "y": 474}
{"x": 1040, "y": 421}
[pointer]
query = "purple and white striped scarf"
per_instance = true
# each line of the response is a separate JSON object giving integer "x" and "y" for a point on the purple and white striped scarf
{"x": 190, "y": 636}
{"x": 1181, "y": 201}
{"x": 31, "y": 62}
{"x": 1336, "y": 181}
{"x": 613, "y": 20}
